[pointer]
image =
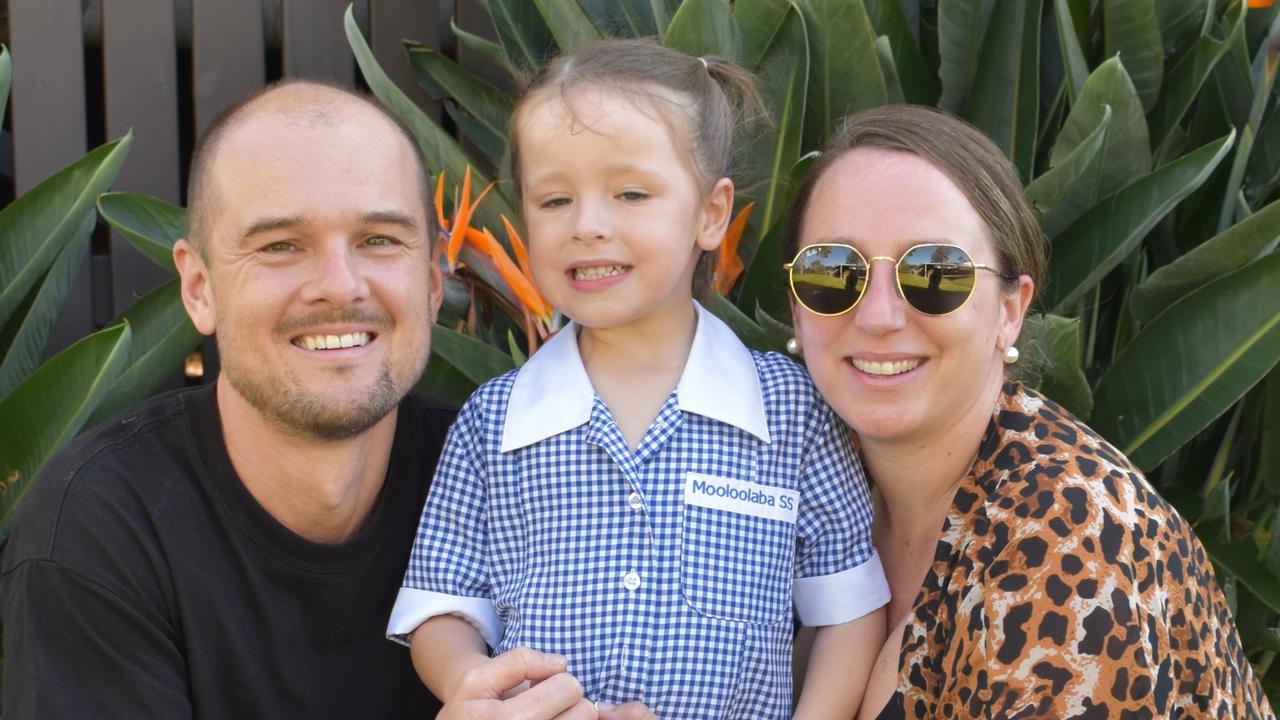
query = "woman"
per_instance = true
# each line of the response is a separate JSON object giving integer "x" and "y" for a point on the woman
{"x": 1034, "y": 571}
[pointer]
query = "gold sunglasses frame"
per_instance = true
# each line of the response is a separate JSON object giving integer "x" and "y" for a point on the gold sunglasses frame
{"x": 897, "y": 283}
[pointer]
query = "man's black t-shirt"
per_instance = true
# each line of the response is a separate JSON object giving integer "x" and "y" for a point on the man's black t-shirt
{"x": 141, "y": 579}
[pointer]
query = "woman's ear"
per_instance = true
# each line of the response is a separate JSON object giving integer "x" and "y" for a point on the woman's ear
{"x": 1013, "y": 309}
{"x": 716, "y": 214}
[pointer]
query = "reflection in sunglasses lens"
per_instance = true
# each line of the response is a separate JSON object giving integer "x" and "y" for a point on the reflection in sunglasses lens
{"x": 828, "y": 279}
{"x": 936, "y": 279}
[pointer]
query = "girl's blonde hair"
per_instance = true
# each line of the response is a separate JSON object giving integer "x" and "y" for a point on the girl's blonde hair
{"x": 699, "y": 100}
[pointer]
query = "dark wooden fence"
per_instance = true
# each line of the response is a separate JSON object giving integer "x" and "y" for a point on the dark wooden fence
{"x": 86, "y": 71}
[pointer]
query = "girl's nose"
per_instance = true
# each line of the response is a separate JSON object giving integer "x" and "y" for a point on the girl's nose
{"x": 881, "y": 309}
{"x": 592, "y": 223}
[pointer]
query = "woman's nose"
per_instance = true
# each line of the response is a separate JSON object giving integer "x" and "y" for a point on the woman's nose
{"x": 881, "y": 309}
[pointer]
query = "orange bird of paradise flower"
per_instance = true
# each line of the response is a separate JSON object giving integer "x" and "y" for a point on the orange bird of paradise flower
{"x": 729, "y": 264}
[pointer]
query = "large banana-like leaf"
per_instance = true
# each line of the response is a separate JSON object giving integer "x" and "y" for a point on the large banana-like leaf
{"x": 1005, "y": 101}
{"x": 1126, "y": 151}
{"x": 51, "y": 406}
{"x": 1269, "y": 440}
{"x": 1264, "y": 164}
{"x": 150, "y": 224}
{"x": 622, "y": 18}
{"x": 443, "y": 78}
{"x": 1192, "y": 363}
{"x": 523, "y": 33}
{"x": 961, "y": 26}
{"x": 162, "y": 336}
{"x": 751, "y": 334}
{"x": 1051, "y": 346}
{"x": 764, "y": 286}
{"x": 1180, "y": 22}
{"x": 35, "y": 227}
{"x": 1225, "y": 253}
{"x": 440, "y": 151}
{"x": 758, "y": 23}
{"x": 491, "y": 52}
{"x": 1073, "y": 62}
{"x": 1187, "y": 77}
{"x": 844, "y": 68}
{"x": 919, "y": 85}
{"x": 1240, "y": 560}
{"x": 1264, "y": 75}
{"x": 33, "y": 324}
{"x": 477, "y": 360}
{"x": 770, "y": 150}
{"x": 569, "y": 25}
{"x": 892, "y": 83}
{"x": 704, "y": 27}
{"x": 6, "y": 77}
{"x": 1131, "y": 29}
{"x": 1108, "y": 233}
{"x": 1065, "y": 192}
{"x": 444, "y": 381}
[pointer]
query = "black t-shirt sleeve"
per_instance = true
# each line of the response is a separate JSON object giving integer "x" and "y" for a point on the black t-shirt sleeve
{"x": 75, "y": 649}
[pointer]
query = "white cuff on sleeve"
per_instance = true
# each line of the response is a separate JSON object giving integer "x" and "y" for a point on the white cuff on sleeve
{"x": 841, "y": 597}
{"x": 414, "y": 607}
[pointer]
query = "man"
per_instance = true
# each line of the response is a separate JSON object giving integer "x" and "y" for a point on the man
{"x": 233, "y": 551}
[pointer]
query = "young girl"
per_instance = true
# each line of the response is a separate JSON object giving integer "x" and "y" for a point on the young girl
{"x": 645, "y": 496}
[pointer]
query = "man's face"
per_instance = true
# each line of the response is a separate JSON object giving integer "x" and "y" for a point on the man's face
{"x": 316, "y": 275}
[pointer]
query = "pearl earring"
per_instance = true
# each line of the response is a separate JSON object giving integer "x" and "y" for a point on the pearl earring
{"x": 1011, "y": 355}
{"x": 793, "y": 346}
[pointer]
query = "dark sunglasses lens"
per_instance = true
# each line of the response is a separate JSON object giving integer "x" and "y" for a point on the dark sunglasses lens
{"x": 828, "y": 279}
{"x": 936, "y": 279}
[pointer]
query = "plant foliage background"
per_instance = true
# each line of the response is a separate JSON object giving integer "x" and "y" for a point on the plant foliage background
{"x": 1146, "y": 133}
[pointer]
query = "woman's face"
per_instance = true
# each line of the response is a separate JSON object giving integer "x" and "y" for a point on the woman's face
{"x": 894, "y": 374}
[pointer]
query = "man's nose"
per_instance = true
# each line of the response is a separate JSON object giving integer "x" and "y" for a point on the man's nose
{"x": 337, "y": 276}
{"x": 881, "y": 309}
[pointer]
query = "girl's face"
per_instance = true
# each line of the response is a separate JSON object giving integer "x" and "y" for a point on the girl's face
{"x": 893, "y": 373}
{"x": 616, "y": 220}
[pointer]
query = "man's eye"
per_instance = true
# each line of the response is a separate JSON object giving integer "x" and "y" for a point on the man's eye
{"x": 381, "y": 241}
{"x": 633, "y": 195}
{"x": 277, "y": 247}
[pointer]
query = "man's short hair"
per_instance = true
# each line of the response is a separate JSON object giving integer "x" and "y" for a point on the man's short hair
{"x": 201, "y": 197}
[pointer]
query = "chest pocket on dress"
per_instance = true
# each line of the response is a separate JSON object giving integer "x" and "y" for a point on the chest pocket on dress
{"x": 737, "y": 549}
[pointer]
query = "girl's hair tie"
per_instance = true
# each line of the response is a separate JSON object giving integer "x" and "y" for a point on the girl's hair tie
{"x": 705, "y": 66}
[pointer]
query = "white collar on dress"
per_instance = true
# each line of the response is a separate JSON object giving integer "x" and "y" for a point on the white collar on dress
{"x": 552, "y": 392}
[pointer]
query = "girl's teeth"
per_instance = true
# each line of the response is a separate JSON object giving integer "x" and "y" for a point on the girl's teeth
{"x": 597, "y": 272}
{"x": 334, "y": 342}
{"x": 892, "y": 367}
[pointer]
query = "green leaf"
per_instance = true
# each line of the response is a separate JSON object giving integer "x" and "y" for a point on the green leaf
{"x": 444, "y": 381}
{"x": 487, "y": 50}
{"x": 1180, "y": 22}
{"x": 769, "y": 151}
{"x": 1191, "y": 363}
{"x": 35, "y": 227}
{"x": 440, "y": 151}
{"x": 477, "y": 360}
{"x": 758, "y": 22}
{"x": 51, "y": 405}
{"x": 621, "y": 18}
{"x": 1240, "y": 560}
{"x": 751, "y": 335}
{"x": 919, "y": 85}
{"x": 764, "y": 282}
{"x": 663, "y": 10}
{"x": 1108, "y": 233}
{"x": 1263, "y": 173}
{"x": 1268, "y": 441}
{"x": 1077, "y": 69}
{"x": 704, "y": 27}
{"x": 1227, "y": 252}
{"x": 163, "y": 337}
{"x": 961, "y": 26}
{"x": 6, "y": 77}
{"x": 150, "y": 224}
{"x": 24, "y": 351}
{"x": 518, "y": 357}
{"x": 569, "y": 25}
{"x": 443, "y": 78}
{"x": 844, "y": 69}
{"x": 1005, "y": 98}
{"x": 523, "y": 33}
{"x": 1065, "y": 191}
{"x": 1050, "y": 347}
{"x": 1125, "y": 152}
{"x": 1187, "y": 77}
{"x": 777, "y": 331}
{"x": 1131, "y": 29}
{"x": 1264, "y": 75}
{"x": 892, "y": 83}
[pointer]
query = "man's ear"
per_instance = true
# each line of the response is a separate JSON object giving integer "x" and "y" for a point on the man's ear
{"x": 716, "y": 214}
{"x": 435, "y": 277}
{"x": 197, "y": 292}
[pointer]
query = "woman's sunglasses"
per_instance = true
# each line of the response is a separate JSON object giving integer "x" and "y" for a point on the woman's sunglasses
{"x": 934, "y": 278}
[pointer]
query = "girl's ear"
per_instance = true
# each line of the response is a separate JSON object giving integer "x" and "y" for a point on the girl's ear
{"x": 716, "y": 213}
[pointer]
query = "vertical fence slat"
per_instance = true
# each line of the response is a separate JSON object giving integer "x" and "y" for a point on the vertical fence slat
{"x": 391, "y": 22}
{"x": 315, "y": 45}
{"x": 227, "y": 54}
{"x": 48, "y": 115}
{"x": 140, "y": 87}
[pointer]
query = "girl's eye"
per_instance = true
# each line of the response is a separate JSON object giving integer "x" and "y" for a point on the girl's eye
{"x": 555, "y": 202}
{"x": 633, "y": 195}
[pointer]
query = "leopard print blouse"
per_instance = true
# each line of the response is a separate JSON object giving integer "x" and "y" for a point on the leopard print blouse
{"x": 1064, "y": 586}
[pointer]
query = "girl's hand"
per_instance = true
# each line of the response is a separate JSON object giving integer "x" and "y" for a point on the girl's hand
{"x": 626, "y": 711}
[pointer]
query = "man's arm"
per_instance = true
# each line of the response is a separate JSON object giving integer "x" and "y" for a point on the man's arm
{"x": 76, "y": 649}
